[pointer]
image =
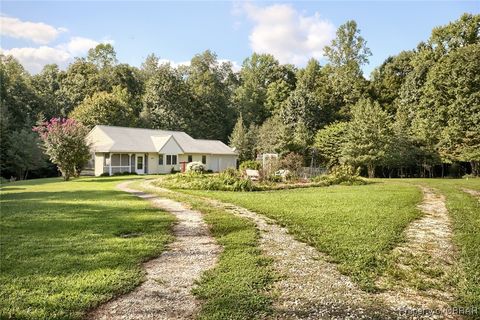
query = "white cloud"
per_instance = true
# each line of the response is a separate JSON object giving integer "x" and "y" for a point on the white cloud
{"x": 33, "y": 59}
{"x": 78, "y": 45}
{"x": 38, "y": 32}
{"x": 290, "y": 36}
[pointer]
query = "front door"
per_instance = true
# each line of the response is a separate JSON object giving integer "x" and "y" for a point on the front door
{"x": 140, "y": 164}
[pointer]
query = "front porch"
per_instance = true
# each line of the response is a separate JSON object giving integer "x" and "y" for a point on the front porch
{"x": 125, "y": 162}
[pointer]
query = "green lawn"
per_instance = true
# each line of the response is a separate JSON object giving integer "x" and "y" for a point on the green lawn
{"x": 63, "y": 248}
{"x": 238, "y": 286}
{"x": 355, "y": 225}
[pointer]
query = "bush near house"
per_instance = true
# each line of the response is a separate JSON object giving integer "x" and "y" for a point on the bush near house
{"x": 196, "y": 167}
{"x": 250, "y": 164}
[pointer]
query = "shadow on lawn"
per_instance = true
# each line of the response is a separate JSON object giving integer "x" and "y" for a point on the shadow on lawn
{"x": 49, "y": 233}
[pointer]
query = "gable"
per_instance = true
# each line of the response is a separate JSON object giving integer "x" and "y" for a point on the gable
{"x": 171, "y": 147}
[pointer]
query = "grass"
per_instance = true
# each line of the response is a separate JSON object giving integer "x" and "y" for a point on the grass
{"x": 355, "y": 225}
{"x": 464, "y": 211}
{"x": 237, "y": 288}
{"x": 68, "y": 246}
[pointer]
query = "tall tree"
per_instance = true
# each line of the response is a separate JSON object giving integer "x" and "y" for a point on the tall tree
{"x": 106, "y": 108}
{"x": 347, "y": 53}
{"x": 452, "y": 94}
{"x": 102, "y": 56}
{"x": 369, "y": 136}
{"x": 457, "y": 34}
{"x": 82, "y": 79}
{"x": 259, "y": 72}
{"x": 24, "y": 154}
{"x": 240, "y": 140}
{"x": 273, "y": 137}
{"x": 167, "y": 102}
{"x": 47, "y": 85}
{"x": 387, "y": 79}
{"x": 207, "y": 81}
{"x": 329, "y": 143}
{"x": 349, "y": 47}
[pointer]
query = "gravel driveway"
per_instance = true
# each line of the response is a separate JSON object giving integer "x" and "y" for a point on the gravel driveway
{"x": 166, "y": 293}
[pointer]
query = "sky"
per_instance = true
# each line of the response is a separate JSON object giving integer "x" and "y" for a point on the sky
{"x": 38, "y": 33}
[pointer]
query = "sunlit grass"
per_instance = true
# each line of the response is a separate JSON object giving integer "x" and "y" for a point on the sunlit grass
{"x": 64, "y": 247}
{"x": 355, "y": 225}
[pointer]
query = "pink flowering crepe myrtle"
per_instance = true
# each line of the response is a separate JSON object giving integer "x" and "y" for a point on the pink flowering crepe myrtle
{"x": 65, "y": 143}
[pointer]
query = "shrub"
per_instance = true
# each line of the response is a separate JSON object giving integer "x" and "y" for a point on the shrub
{"x": 342, "y": 174}
{"x": 250, "y": 164}
{"x": 105, "y": 174}
{"x": 243, "y": 185}
{"x": 65, "y": 143}
{"x": 229, "y": 176}
{"x": 196, "y": 167}
{"x": 293, "y": 162}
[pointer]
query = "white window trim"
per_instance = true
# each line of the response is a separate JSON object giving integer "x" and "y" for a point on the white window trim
{"x": 171, "y": 159}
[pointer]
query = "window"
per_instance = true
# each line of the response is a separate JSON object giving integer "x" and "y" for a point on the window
{"x": 160, "y": 159}
{"x": 107, "y": 159}
{"x": 171, "y": 159}
{"x": 190, "y": 158}
{"x": 204, "y": 159}
{"x": 115, "y": 158}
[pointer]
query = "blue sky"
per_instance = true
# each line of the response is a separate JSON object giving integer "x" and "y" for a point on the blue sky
{"x": 44, "y": 32}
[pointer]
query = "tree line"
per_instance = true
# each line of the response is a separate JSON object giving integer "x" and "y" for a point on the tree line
{"x": 418, "y": 114}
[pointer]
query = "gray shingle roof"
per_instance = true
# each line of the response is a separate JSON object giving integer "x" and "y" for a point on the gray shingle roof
{"x": 123, "y": 139}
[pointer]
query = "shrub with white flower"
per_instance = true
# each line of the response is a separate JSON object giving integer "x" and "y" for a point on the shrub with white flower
{"x": 196, "y": 167}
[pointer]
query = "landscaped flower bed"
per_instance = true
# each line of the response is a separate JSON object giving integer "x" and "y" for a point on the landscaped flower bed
{"x": 237, "y": 180}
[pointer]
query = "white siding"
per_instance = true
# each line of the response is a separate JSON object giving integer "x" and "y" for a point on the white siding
{"x": 171, "y": 147}
{"x": 98, "y": 163}
{"x": 153, "y": 166}
{"x": 227, "y": 161}
{"x": 218, "y": 163}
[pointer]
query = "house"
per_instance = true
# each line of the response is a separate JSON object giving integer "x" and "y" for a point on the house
{"x": 148, "y": 151}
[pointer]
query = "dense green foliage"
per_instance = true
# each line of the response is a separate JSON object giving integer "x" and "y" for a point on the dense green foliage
{"x": 429, "y": 94}
{"x": 66, "y": 249}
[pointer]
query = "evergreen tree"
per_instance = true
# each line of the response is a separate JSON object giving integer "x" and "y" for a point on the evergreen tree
{"x": 369, "y": 136}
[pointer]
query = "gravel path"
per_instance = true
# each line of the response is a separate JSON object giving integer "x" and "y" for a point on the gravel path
{"x": 309, "y": 287}
{"x": 166, "y": 293}
{"x": 474, "y": 193}
{"x": 428, "y": 245}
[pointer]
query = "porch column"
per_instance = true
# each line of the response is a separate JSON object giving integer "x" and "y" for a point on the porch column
{"x": 130, "y": 162}
{"x": 110, "y": 165}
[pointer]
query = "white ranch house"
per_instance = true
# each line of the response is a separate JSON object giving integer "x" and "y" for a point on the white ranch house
{"x": 148, "y": 151}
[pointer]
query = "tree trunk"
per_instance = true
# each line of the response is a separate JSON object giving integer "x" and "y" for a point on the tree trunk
{"x": 371, "y": 170}
{"x": 443, "y": 170}
{"x": 475, "y": 168}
